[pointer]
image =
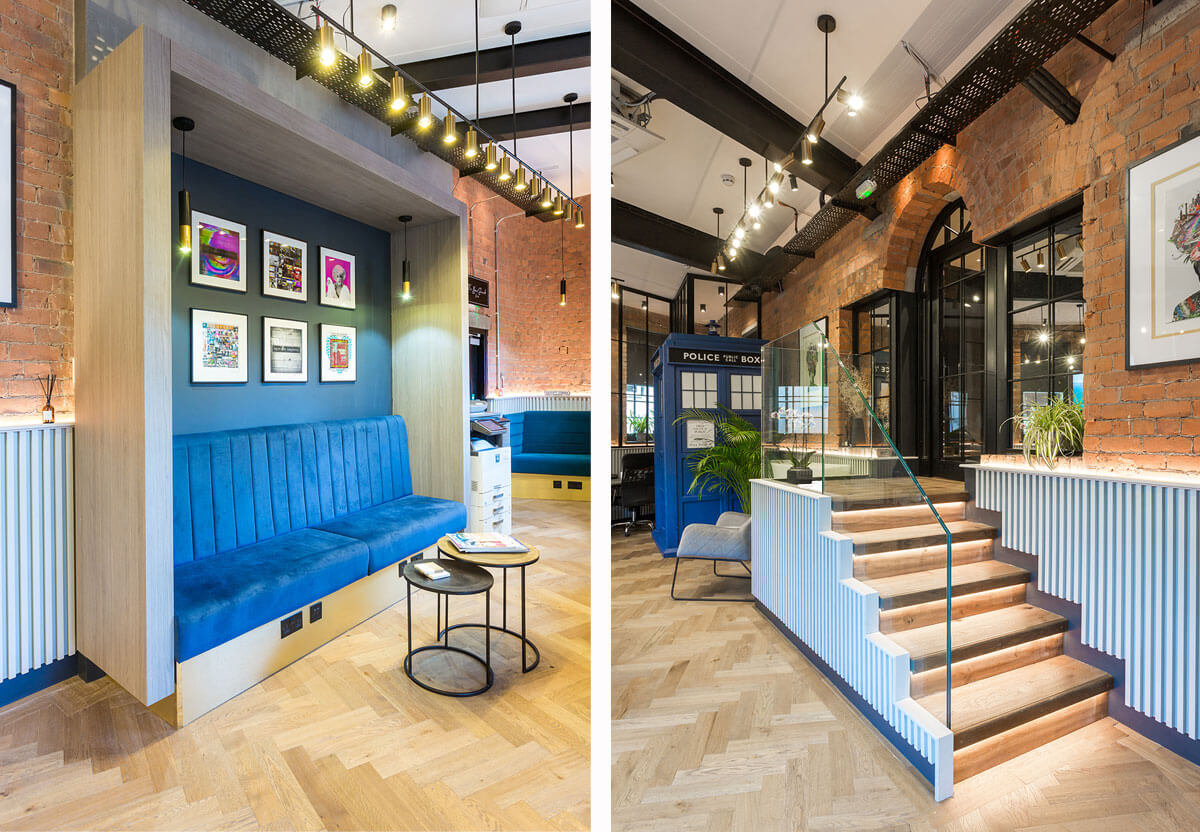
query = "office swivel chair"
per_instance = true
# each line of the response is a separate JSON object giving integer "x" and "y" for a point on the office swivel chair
{"x": 635, "y": 490}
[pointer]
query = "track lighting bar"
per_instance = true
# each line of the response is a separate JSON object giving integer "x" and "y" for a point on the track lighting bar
{"x": 327, "y": 56}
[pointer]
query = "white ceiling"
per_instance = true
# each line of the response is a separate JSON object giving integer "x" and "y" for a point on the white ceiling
{"x": 648, "y": 272}
{"x": 432, "y": 30}
{"x": 778, "y": 51}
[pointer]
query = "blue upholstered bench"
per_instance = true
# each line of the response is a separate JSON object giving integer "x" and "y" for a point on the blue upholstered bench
{"x": 551, "y": 454}
{"x": 271, "y": 520}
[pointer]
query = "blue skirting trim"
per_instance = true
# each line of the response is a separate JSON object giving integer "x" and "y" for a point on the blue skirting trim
{"x": 873, "y": 716}
{"x": 43, "y": 677}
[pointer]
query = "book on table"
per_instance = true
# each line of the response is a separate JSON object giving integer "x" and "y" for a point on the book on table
{"x": 482, "y": 542}
{"x": 432, "y": 570}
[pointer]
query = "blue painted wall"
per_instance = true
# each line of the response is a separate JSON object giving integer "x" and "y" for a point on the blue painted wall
{"x": 205, "y": 407}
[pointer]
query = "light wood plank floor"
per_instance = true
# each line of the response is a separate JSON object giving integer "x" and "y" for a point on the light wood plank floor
{"x": 719, "y": 723}
{"x": 341, "y": 739}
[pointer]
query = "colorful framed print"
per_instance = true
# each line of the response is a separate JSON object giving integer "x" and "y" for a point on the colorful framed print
{"x": 219, "y": 253}
{"x": 337, "y": 279}
{"x": 219, "y": 343}
{"x": 285, "y": 350}
{"x": 1162, "y": 257}
{"x": 8, "y": 194}
{"x": 339, "y": 353}
{"x": 285, "y": 267}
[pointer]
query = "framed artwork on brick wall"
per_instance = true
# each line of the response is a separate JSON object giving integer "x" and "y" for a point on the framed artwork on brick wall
{"x": 1162, "y": 257}
{"x": 8, "y": 194}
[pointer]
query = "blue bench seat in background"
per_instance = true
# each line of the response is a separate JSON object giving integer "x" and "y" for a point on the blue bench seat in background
{"x": 551, "y": 442}
{"x": 270, "y": 519}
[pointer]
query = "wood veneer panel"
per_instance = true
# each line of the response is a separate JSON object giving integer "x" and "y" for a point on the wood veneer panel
{"x": 124, "y": 571}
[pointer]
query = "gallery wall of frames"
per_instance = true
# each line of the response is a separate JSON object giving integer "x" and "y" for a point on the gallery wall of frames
{"x": 280, "y": 313}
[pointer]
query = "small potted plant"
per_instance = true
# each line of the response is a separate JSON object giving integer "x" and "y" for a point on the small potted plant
{"x": 800, "y": 473}
{"x": 1051, "y": 430}
{"x": 638, "y": 427}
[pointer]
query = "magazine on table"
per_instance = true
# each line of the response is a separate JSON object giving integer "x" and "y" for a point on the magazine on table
{"x": 481, "y": 542}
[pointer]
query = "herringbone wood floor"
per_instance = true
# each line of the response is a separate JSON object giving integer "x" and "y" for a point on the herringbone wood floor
{"x": 341, "y": 739}
{"x": 719, "y": 723}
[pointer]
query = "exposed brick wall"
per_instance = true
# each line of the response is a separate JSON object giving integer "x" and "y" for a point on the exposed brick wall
{"x": 36, "y": 335}
{"x": 1019, "y": 158}
{"x": 543, "y": 346}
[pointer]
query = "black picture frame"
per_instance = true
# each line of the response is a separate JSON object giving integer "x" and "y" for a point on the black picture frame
{"x": 8, "y": 286}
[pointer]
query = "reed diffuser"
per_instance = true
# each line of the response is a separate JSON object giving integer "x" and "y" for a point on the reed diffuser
{"x": 48, "y": 389}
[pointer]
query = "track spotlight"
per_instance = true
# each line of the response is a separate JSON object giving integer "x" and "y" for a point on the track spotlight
{"x": 387, "y": 18}
{"x": 778, "y": 167}
{"x": 425, "y": 113}
{"x": 756, "y": 225}
{"x": 328, "y": 52}
{"x": 366, "y": 77}
{"x": 489, "y": 157}
{"x": 805, "y": 151}
{"x": 739, "y": 232}
{"x": 1024, "y": 264}
{"x": 521, "y": 183}
{"x": 616, "y": 291}
{"x": 472, "y": 148}
{"x": 399, "y": 102}
{"x": 852, "y": 101}
{"x": 793, "y": 182}
{"x": 645, "y": 304}
{"x": 720, "y": 262}
{"x": 449, "y": 130}
{"x": 579, "y": 218}
{"x": 773, "y": 186}
{"x": 755, "y": 209}
{"x": 559, "y": 206}
{"x": 1041, "y": 260}
{"x": 505, "y": 170}
{"x": 721, "y": 291}
{"x": 703, "y": 308}
{"x": 548, "y": 199}
{"x": 814, "y": 129}
{"x": 768, "y": 200}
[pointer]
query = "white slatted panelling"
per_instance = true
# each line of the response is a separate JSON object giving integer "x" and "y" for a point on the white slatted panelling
{"x": 1128, "y": 553}
{"x": 519, "y": 404}
{"x": 37, "y": 547}
{"x": 803, "y": 574}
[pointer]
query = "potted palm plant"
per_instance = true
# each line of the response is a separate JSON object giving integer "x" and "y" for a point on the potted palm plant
{"x": 1051, "y": 430}
{"x": 734, "y": 459}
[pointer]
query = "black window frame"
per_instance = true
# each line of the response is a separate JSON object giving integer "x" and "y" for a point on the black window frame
{"x": 621, "y": 342}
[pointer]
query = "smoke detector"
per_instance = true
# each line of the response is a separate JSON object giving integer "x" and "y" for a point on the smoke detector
{"x": 727, "y": 180}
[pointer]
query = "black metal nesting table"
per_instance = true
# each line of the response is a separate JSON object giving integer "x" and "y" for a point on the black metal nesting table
{"x": 465, "y": 579}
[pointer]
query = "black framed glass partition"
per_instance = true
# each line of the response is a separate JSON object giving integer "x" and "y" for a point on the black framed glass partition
{"x": 640, "y": 322}
{"x": 705, "y": 305}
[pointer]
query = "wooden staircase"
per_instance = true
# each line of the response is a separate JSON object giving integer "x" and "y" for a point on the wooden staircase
{"x": 1012, "y": 688}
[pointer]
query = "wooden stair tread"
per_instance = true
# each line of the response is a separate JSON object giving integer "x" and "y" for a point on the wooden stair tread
{"x": 977, "y": 634}
{"x": 998, "y": 703}
{"x": 867, "y": 493}
{"x": 915, "y": 537}
{"x": 930, "y": 585}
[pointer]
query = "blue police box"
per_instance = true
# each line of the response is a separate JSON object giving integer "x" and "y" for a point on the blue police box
{"x": 696, "y": 372}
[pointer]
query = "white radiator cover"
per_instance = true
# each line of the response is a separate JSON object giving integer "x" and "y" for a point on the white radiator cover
{"x": 519, "y": 404}
{"x": 37, "y": 547}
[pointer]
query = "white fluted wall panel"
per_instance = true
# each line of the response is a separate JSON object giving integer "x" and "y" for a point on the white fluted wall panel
{"x": 37, "y": 547}
{"x": 803, "y": 574}
{"x": 519, "y": 404}
{"x": 1128, "y": 553}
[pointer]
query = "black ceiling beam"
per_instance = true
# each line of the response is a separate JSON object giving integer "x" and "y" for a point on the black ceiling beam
{"x": 537, "y": 122}
{"x": 657, "y": 58}
{"x": 638, "y": 228}
{"x": 535, "y": 57}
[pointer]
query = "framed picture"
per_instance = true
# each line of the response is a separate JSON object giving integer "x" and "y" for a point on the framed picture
{"x": 285, "y": 350}
{"x": 8, "y": 194}
{"x": 337, "y": 278}
{"x": 339, "y": 353}
{"x": 218, "y": 347}
{"x": 219, "y": 253}
{"x": 1162, "y": 257}
{"x": 285, "y": 267}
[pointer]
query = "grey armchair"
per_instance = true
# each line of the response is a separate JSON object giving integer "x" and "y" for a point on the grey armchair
{"x": 727, "y": 540}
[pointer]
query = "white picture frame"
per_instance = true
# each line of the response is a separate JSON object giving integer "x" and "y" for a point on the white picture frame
{"x": 218, "y": 253}
{"x": 8, "y": 194}
{"x": 339, "y": 353}
{"x": 285, "y": 351}
{"x": 1162, "y": 258}
{"x": 337, "y": 279}
{"x": 284, "y": 267}
{"x": 219, "y": 346}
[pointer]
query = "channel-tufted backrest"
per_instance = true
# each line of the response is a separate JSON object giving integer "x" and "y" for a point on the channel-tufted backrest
{"x": 237, "y": 487}
{"x": 556, "y": 432}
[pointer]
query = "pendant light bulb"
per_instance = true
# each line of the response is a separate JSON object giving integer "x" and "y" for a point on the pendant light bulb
{"x": 388, "y": 18}
{"x": 559, "y": 206}
{"x": 406, "y": 286}
{"x": 562, "y": 292}
{"x": 489, "y": 157}
{"x": 366, "y": 77}
{"x": 757, "y": 225}
{"x": 754, "y": 210}
{"x": 399, "y": 102}
{"x": 472, "y": 148}
{"x": 425, "y": 112}
{"x": 720, "y": 262}
{"x": 579, "y": 218}
{"x": 739, "y": 232}
{"x": 768, "y": 200}
{"x": 806, "y": 152}
{"x": 505, "y": 170}
{"x": 185, "y": 222}
{"x": 522, "y": 183}
{"x": 548, "y": 199}
{"x": 773, "y": 186}
{"x": 327, "y": 53}
{"x": 449, "y": 129}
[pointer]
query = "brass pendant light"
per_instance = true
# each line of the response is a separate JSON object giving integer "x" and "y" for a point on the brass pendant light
{"x": 406, "y": 287}
{"x": 570, "y": 99}
{"x": 184, "y": 125}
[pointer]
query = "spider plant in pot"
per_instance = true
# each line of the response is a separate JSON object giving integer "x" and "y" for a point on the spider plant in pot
{"x": 734, "y": 459}
{"x": 1050, "y": 430}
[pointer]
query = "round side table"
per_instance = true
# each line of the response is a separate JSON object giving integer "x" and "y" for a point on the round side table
{"x": 503, "y": 561}
{"x": 464, "y": 579}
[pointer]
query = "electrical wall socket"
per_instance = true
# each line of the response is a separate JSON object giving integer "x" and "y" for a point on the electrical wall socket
{"x": 291, "y": 624}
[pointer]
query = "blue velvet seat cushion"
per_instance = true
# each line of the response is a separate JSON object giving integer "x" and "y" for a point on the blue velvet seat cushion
{"x": 219, "y": 598}
{"x": 397, "y": 529}
{"x": 567, "y": 465}
{"x": 557, "y": 432}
